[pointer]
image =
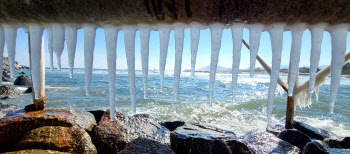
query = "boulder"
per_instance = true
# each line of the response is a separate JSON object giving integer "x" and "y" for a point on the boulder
{"x": 36, "y": 151}
{"x": 294, "y": 137}
{"x": 29, "y": 90}
{"x": 172, "y": 125}
{"x": 6, "y": 64}
{"x": 312, "y": 132}
{"x": 23, "y": 81}
{"x": 264, "y": 142}
{"x": 197, "y": 138}
{"x": 15, "y": 125}
{"x": 7, "y": 108}
{"x": 9, "y": 90}
{"x": 6, "y": 73}
{"x": 339, "y": 144}
{"x": 111, "y": 136}
{"x": 276, "y": 129}
{"x": 314, "y": 148}
{"x": 5, "y": 79}
{"x": 65, "y": 139}
{"x": 143, "y": 145}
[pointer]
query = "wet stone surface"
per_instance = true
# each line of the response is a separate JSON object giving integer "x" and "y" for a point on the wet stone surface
{"x": 312, "y": 132}
{"x": 144, "y": 145}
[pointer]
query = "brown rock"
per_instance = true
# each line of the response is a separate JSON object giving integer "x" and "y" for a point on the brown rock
{"x": 36, "y": 151}
{"x": 65, "y": 139}
{"x": 144, "y": 145}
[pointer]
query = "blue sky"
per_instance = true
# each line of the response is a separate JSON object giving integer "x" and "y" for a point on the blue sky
{"x": 203, "y": 56}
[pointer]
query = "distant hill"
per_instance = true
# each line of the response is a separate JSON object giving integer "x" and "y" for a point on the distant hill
{"x": 218, "y": 69}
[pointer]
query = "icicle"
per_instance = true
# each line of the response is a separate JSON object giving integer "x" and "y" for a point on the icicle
{"x": 316, "y": 41}
{"x": 36, "y": 33}
{"x": 254, "y": 41}
{"x": 179, "y": 46}
{"x": 89, "y": 45}
{"x": 58, "y": 41}
{"x": 297, "y": 35}
{"x": 145, "y": 30}
{"x": 2, "y": 44}
{"x": 195, "y": 35}
{"x": 129, "y": 41}
{"x": 216, "y": 34}
{"x": 237, "y": 34}
{"x": 276, "y": 36}
{"x": 49, "y": 35}
{"x": 164, "y": 34}
{"x": 10, "y": 39}
{"x": 338, "y": 38}
{"x": 71, "y": 37}
{"x": 111, "y": 36}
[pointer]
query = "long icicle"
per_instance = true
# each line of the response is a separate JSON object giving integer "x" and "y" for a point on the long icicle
{"x": 71, "y": 37}
{"x": 111, "y": 36}
{"x": 49, "y": 35}
{"x": 297, "y": 35}
{"x": 10, "y": 39}
{"x": 145, "y": 30}
{"x": 254, "y": 40}
{"x": 164, "y": 34}
{"x": 2, "y": 44}
{"x": 237, "y": 35}
{"x": 129, "y": 41}
{"x": 276, "y": 36}
{"x": 216, "y": 30}
{"x": 179, "y": 44}
{"x": 58, "y": 42}
{"x": 338, "y": 33}
{"x": 195, "y": 35}
{"x": 89, "y": 45}
{"x": 316, "y": 41}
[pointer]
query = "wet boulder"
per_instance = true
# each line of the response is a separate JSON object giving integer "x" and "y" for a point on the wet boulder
{"x": 314, "y": 147}
{"x": 7, "y": 108}
{"x": 111, "y": 136}
{"x": 29, "y": 90}
{"x": 143, "y": 145}
{"x": 36, "y": 151}
{"x": 8, "y": 91}
{"x": 264, "y": 142}
{"x": 172, "y": 125}
{"x": 294, "y": 137}
{"x": 64, "y": 139}
{"x": 339, "y": 144}
{"x": 312, "y": 132}
{"x": 23, "y": 81}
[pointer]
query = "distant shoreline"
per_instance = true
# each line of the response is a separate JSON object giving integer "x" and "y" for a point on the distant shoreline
{"x": 265, "y": 73}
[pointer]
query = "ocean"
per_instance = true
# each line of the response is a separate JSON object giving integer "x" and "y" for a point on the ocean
{"x": 247, "y": 114}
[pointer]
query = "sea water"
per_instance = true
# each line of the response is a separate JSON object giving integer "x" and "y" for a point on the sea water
{"x": 247, "y": 114}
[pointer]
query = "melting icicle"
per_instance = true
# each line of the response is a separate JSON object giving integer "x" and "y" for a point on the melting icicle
{"x": 276, "y": 36}
{"x": 237, "y": 34}
{"x": 10, "y": 39}
{"x": 2, "y": 44}
{"x": 71, "y": 37}
{"x": 111, "y": 36}
{"x": 36, "y": 33}
{"x": 297, "y": 35}
{"x": 49, "y": 35}
{"x": 145, "y": 30}
{"x": 179, "y": 46}
{"x": 58, "y": 41}
{"x": 316, "y": 41}
{"x": 338, "y": 38}
{"x": 164, "y": 34}
{"x": 195, "y": 34}
{"x": 216, "y": 34}
{"x": 89, "y": 45}
{"x": 129, "y": 41}
{"x": 254, "y": 40}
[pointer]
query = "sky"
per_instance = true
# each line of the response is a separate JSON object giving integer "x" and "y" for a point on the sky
{"x": 203, "y": 54}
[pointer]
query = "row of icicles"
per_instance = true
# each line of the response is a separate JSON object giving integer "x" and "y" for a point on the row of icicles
{"x": 57, "y": 33}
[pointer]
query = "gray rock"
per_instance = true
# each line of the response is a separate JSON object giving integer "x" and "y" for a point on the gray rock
{"x": 312, "y": 132}
{"x": 314, "y": 147}
{"x": 339, "y": 144}
{"x": 29, "y": 90}
{"x": 7, "y": 108}
{"x": 294, "y": 137}
{"x": 6, "y": 73}
{"x": 9, "y": 90}
{"x": 23, "y": 81}
{"x": 143, "y": 145}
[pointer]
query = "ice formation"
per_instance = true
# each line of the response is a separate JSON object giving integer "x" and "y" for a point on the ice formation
{"x": 338, "y": 40}
{"x": 145, "y": 30}
{"x": 49, "y": 35}
{"x": 276, "y": 36}
{"x": 129, "y": 41}
{"x": 10, "y": 30}
{"x": 71, "y": 37}
{"x": 254, "y": 41}
{"x": 58, "y": 42}
{"x": 2, "y": 44}
{"x": 111, "y": 36}
{"x": 36, "y": 34}
{"x": 195, "y": 35}
{"x": 316, "y": 41}
{"x": 179, "y": 46}
{"x": 237, "y": 34}
{"x": 89, "y": 45}
{"x": 297, "y": 35}
{"x": 164, "y": 34}
{"x": 216, "y": 30}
